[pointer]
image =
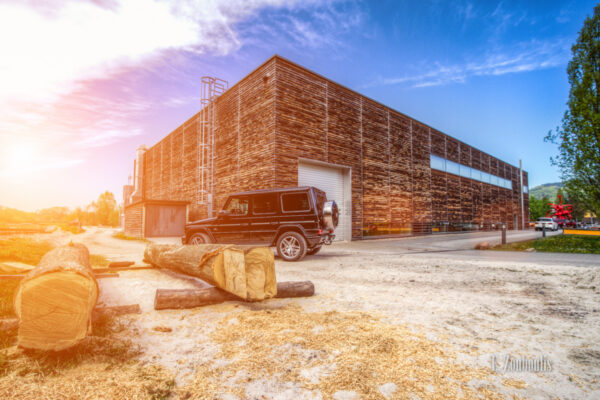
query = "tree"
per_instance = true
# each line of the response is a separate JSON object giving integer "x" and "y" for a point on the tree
{"x": 106, "y": 209}
{"x": 579, "y": 209}
{"x": 578, "y": 138}
{"x": 538, "y": 207}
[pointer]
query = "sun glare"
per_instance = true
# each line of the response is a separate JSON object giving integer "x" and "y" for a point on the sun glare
{"x": 19, "y": 158}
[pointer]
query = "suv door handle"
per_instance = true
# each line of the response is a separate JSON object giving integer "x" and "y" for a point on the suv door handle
{"x": 274, "y": 222}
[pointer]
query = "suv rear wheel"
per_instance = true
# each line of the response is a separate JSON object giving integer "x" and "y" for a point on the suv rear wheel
{"x": 291, "y": 246}
{"x": 199, "y": 238}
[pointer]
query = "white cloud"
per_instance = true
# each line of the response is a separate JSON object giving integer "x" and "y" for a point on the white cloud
{"x": 525, "y": 57}
{"x": 105, "y": 137}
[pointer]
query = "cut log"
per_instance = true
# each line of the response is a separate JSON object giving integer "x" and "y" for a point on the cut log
{"x": 55, "y": 300}
{"x": 16, "y": 277}
{"x": 8, "y": 324}
{"x": 190, "y": 298}
{"x": 108, "y": 275}
{"x": 245, "y": 271}
{"x": 12, "y": 267}
{"x": 121, "y": 264}
{"x": 295, "y": 289}
{"x": 117, "y": 269}
{"x": 115, "y": 311}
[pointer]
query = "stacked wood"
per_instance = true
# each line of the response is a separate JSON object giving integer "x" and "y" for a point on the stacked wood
{"x": 190, "y": 298}
{"x": 54, "y": 301}
{"x": 245, "y": 271}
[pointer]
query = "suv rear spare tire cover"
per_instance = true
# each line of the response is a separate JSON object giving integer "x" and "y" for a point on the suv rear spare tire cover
{"x": 331, "y": 215}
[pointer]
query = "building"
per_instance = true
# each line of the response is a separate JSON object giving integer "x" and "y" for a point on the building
{"x": 283, "y": 125}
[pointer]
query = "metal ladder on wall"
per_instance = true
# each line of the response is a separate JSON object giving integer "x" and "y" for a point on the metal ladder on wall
{"x": 211, "y": 89}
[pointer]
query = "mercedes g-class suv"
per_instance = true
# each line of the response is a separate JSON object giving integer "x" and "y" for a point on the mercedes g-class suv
{"x": 297, "y": 221}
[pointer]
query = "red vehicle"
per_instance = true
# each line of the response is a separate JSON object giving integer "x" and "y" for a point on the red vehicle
{"x": 565, "y": 223}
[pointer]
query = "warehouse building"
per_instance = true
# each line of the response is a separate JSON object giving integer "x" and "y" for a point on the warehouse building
{"x": 283, "y": 125}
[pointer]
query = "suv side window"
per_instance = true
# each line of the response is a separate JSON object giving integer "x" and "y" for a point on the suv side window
{"x": 264, "y": 203}
{"x": 295, "y": 202}
{"x": 237, "y": 206}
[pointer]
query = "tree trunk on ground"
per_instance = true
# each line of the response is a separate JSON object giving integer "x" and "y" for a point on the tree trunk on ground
{"x": 54, "y": 301}
{"x": 245, "y": 271}
{"x": 190, "y": 298}
{"x": 121, "y": 264}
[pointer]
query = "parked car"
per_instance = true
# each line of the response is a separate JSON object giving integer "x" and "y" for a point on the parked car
{"x": 297, "y": 221}
{"x": 565, "y": 223}
{"x": 547, "y": 222}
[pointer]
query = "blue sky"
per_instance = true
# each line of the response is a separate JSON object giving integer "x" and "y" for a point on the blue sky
{"x": 84, "y": 83}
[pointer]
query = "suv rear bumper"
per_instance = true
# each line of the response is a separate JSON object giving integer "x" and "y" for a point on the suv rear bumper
{"x": 320, "y": 240}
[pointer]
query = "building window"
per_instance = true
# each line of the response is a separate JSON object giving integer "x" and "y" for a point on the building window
{"x": 525, "y": 189}
{"x": 451, "y": 167}
{"x": 438, "y": 163}
{"x": 295, "y": 202}
{"x": 465, "y": 171}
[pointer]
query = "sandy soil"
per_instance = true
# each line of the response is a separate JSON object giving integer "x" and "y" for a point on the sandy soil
{"x": 480, "y": 308}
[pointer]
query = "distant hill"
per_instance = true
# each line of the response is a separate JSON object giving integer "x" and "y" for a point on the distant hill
{"x": 547, "y": 189}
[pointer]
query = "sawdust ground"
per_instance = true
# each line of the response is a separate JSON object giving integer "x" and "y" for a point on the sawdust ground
{"x": 461, "y": 312}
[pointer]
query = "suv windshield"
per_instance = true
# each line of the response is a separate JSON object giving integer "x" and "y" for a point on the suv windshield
{"x": 544, "y": 219}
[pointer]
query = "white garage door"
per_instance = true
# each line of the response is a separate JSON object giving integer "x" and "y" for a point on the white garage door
{"x": 336, "y": 183}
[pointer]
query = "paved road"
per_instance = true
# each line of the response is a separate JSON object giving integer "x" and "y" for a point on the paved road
{"x": 461, "y": 246}
{"x": 455, "y": 246}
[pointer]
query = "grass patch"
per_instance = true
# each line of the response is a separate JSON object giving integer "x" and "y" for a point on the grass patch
{"x": 121, "y": 235}
{"x": 557, "y": 244}
{"x": 75, "y": 229}
{"x": 25, "y": 250}
{"x": 98, "y": 261}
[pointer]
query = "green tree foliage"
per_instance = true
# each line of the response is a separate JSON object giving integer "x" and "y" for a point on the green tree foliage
{"x": 579, "y": 209}
{"x": 578, "y": 138}
{"x": 106, "y": 209}
{"x": 538, "y": 207}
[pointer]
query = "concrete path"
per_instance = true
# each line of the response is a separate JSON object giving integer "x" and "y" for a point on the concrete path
{"x": 461, "y": 246}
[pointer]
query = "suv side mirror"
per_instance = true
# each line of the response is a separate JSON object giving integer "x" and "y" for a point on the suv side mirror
{"x": 223, "y": 213}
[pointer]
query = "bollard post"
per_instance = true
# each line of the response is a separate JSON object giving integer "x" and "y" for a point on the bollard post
{"x": 503, "y": 233}
{"x": 543, "y": 230}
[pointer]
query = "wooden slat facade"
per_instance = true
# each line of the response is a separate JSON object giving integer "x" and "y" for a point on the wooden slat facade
{"x": 282, "y": 112}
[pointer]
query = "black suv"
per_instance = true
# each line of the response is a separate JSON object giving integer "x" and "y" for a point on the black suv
{"x": 298, "y": 221}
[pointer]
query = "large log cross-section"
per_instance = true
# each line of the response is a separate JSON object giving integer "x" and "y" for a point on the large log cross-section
{"x": 54, "y": 301}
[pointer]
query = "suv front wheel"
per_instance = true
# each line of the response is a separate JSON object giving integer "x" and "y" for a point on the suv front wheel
{"x": 291, "y": 246}
{"x": 199, "y": 238}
